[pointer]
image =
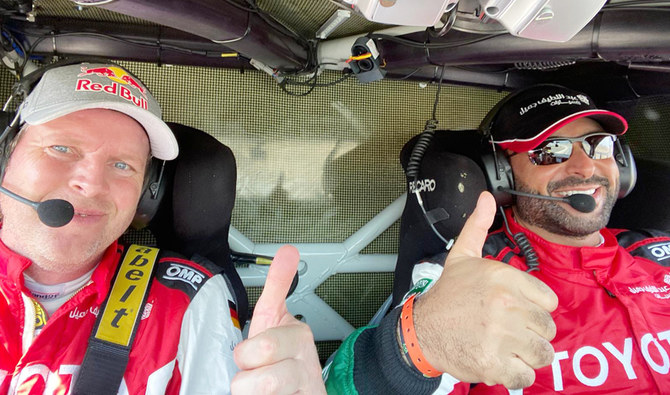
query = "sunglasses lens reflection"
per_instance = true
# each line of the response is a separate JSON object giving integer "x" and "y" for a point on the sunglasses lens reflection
{"x": 553, "y": 151}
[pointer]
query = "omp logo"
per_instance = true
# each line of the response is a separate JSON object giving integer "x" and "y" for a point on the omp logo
{"x": 426, "y": 185}
{"x": 660, "y": 251}
{"x": 185, "y": 274}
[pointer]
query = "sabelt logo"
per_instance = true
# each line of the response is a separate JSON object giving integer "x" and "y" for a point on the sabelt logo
{"x": 185, "y": 274}
{"x": 121, "y": 82}
{"x": 125, "y": 299}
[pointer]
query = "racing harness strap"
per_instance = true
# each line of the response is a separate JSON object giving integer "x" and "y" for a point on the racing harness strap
{"x": 109, "y": 346}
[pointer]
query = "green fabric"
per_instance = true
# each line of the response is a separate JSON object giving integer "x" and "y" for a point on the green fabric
{"x": 339, "y": 375}
{"x": 418, "y": 288}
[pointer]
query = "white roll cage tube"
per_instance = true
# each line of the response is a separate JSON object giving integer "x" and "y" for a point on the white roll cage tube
{"x": 319, "y": 261}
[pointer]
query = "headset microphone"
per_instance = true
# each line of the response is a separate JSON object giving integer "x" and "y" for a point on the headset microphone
{"x": 54, "y": 213}
{"x": 580, "y": 202}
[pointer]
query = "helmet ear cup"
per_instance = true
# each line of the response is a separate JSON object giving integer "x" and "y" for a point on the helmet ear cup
{"x": 627, "y": 169}
{"x": 152, "y": 193}
{"x": 499, "y": 176}
{"x": 495, "y": 165}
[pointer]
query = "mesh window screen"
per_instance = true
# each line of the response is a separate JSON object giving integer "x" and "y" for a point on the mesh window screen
{"x": 354, "y": 296}
{"x": 649, "y": 128}
{"x": 313, "y": 168}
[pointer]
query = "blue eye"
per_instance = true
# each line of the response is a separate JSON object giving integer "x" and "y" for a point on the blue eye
{"x": 122, "y": 166}
{"x": 60, "y": 148}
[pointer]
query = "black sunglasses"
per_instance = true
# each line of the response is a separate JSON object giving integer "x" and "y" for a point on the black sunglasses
{"x": 597, "y": 145}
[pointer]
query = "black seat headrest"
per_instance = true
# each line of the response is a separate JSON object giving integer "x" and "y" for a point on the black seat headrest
{"x": 194, "y": 215}
{"x": 203, "y": 192}
{"x": 646, "y": 207}
{"x": 449, "y": 181}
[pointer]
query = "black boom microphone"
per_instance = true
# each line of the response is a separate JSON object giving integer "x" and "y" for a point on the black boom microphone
{"x": 54, "y": 212}
{"x": 579, "y": 201}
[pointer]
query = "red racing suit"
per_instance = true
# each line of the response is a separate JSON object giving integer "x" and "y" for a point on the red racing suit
{"x": 613, "y": 321}
{"x": 184, "y": 343}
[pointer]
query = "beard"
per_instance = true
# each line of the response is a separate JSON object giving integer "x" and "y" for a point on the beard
{"x": 553, "y": 217}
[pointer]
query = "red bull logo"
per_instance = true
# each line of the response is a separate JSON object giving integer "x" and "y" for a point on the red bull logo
{"x": 115, "y": 74}
{"x": 120, "y": 83}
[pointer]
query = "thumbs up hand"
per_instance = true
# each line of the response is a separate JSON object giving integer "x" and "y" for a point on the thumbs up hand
{"x": 483, "y": 320}
{"x": 279, "y": 357}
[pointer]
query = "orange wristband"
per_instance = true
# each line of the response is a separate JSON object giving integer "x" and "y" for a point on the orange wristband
{"x": 412, "y": 342}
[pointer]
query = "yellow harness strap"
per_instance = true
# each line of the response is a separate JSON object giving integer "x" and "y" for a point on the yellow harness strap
{"x": 109, "y": 346}
{"x": 129, "y": 290}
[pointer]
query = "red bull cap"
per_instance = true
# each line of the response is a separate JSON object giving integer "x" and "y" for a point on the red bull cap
{"x": 67, "y": 89}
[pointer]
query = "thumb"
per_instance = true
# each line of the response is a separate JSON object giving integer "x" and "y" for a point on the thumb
{"x": 271, "y": 306}
{"x": 473, "y": 235}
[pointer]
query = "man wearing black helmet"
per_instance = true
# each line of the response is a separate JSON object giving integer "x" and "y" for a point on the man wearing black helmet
{"x": 553, "y": 301}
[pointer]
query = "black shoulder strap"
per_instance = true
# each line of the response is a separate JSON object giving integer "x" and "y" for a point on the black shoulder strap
{"x": 112, "y": 338}
{"x": 653, "y": 245}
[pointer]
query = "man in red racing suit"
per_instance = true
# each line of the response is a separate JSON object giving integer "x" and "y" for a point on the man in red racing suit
{"x": 613, "y": 336}
{"x": 596, "y": 321}
{"x": 37, "y": 358}
{"x": 80, "y": 153}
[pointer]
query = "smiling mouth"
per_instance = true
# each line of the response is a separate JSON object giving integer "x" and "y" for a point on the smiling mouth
{"x": 84, "y": 215}
{"x": 582, "y": 192}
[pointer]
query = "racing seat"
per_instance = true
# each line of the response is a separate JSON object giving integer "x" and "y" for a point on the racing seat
{"x": 194, "y": 204}
{"x": 646, "y": 207}
{"x": 449, "y": 182}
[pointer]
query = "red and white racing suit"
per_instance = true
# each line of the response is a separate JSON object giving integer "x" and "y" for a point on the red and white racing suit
{"x": 184, "y": 343}
{"x": 613, "y": 321}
